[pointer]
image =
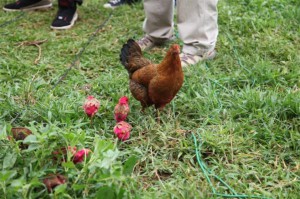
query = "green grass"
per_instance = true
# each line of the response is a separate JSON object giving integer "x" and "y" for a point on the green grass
{"x": 245, "y": 103}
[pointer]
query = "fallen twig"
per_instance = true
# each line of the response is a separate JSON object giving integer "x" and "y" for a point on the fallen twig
{"x": 34, "y": 43}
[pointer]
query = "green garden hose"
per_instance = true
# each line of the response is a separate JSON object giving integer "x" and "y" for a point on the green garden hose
{"x": 207, "y": 173}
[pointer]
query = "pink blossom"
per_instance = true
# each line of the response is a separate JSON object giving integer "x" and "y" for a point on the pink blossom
{"x": 80, "y": 155}
{"x": 91, "y": 106}
{"x": 121, "y": 109}
{"x": 122, "y": 130}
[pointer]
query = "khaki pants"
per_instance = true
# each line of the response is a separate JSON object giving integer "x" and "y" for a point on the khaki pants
{"x": 196, "y": 20}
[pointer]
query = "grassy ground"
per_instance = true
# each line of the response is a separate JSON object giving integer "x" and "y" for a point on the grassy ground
{"x": 245, "y": 104}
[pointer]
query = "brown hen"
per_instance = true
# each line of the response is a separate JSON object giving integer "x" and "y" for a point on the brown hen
{"x": 152, "y": 84}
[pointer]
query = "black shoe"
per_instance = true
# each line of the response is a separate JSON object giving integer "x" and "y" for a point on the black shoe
{"x": 26, "y": 5}
{"x": 114, "y": 3}
{"x": 66, "y": 15}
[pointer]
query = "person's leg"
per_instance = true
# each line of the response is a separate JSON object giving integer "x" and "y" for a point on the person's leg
{"x": 158, "y": 24}
{"x": 27, "y": 5}
{"x": 198, "y": 26}
{"x": 66, "y": 14}
{"x": 159, "y": 19}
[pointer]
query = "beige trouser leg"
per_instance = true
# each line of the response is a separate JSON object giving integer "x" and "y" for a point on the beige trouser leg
{"x": 159, "y": 19}
{"x": 197, "y": 23}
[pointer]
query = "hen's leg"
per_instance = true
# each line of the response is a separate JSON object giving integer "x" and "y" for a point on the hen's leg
{"x": 158, "y": 116}
{"x": 158, "y": 110}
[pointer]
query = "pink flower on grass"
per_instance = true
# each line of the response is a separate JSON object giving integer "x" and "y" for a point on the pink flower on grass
{"x": 91, "y": 106}
{"x": 121, "y": 109}
{"x": 80, "y": 155}
{"x": 122, "y": 130}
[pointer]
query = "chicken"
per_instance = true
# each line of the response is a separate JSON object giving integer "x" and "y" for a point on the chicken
{"x": 121, "y": 109}
{"x": 149, "y": 83}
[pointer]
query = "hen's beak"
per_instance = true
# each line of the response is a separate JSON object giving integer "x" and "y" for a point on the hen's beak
{"x": 176, "y": 48}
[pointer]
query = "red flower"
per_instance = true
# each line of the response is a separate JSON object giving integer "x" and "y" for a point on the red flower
{"x": 91, "y": 106}
{"x": 122, "y": 130}
{"x": 53, "y": 180}
{"x": 79, "y": 155}
{"x": 121, "y": 109}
